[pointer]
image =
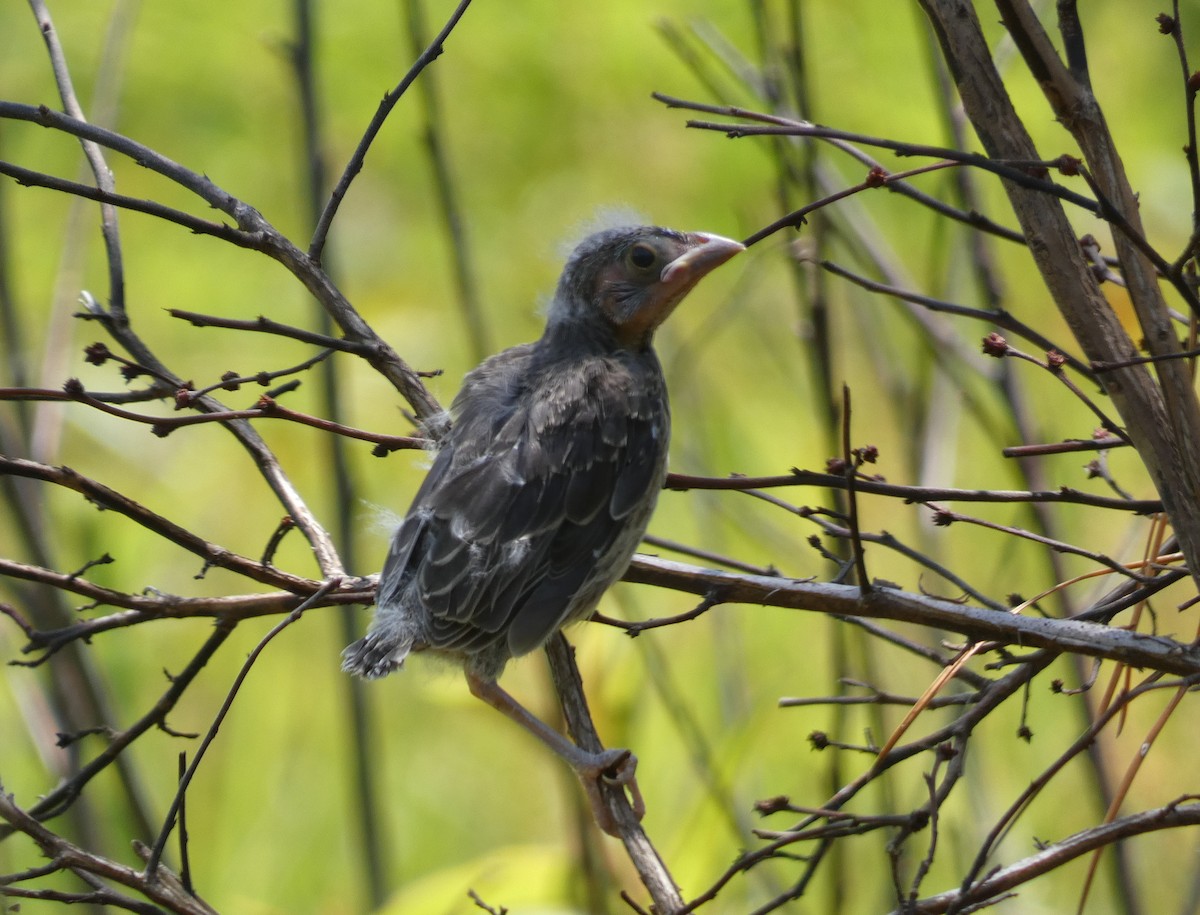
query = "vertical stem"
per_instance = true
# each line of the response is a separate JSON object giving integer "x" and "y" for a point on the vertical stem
{"x": 344, "y": 490}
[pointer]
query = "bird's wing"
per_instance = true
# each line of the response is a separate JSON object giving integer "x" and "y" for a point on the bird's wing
{"x": 507, "y": 531}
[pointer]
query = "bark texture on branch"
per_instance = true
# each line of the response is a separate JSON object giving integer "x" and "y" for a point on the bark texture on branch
{"x": 1162, "y": 417}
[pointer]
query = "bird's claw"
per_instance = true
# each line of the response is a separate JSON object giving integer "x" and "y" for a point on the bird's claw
{"x": 617, "y": 768}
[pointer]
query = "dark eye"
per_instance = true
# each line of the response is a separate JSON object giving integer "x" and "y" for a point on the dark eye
{"x": 642, "y": 256}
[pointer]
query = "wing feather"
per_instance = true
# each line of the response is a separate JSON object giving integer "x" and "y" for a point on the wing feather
{"x": 400, "y": 555}
{"x": 532, "y": 507}
{"x": 589, "y": 488}
{"x": 639, "y": 471}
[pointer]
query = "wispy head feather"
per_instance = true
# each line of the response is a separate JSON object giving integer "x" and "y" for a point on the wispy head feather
{"x": 612, "y": 216}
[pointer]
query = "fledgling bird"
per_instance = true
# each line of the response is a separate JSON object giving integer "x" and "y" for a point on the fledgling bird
{"x": 544, "y": 486}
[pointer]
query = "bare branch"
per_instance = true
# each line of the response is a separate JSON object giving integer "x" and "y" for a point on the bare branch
{"x": 1136, "y": 649}
{"x": 163, "y": 888}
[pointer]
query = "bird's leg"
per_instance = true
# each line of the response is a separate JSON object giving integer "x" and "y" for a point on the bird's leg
{"x": 614, "y": 766}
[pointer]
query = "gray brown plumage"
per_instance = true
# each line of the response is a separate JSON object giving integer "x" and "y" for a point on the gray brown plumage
{"x": 544, "y": 486}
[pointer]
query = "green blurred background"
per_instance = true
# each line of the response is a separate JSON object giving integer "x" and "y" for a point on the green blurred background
{"x": 548, "y": 120}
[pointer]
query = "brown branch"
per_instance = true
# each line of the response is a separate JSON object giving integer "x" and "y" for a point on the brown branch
{"x": 943, "y": 517}
{"x": 162, "y": 888}
{"x": 29, "y": 178}
{"x": 1090, "y": 639}
{"x": 1069, "y": 446}
{"x": 354, "y": 166}
{"x": 152, "y": 861}
{"x": 266, "y": 408}
{"x": 679, "y": 482}
{"x": 643, "y": 855}
{"x": 263, "y": 237}
{"x": 1115, "y": 711}
{"x": 1163, "y": 422}
{"x": 1018, "y": 169}
{"x": 998, "y": 317}
{"x": 64, "y": 794}
{"x": 719, "y": 559}
{"x": 104, "y": 497}
{"x": 144, "y": 608}
{"x": 1001, "y": 880}
{"x": 265, "y": 325}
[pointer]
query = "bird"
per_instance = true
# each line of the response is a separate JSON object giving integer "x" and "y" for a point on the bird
{"x": 542, "y": 489}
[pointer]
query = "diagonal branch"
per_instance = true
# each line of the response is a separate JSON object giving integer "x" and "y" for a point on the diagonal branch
{"x": 163, "y": 888}
{"x": 1164, "y": 423}
{"x": 261, "y": 235}
{"x": 431, "y": 53}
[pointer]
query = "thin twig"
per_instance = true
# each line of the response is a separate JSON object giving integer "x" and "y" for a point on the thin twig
{"x": 152, "y": 863}
{"x": 431, "y": 53}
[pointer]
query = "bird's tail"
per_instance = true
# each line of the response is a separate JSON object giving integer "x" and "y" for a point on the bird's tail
{"x": 375, "y": 656}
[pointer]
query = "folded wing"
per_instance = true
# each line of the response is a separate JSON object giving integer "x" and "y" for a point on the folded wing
{"x": 530, "y": 512}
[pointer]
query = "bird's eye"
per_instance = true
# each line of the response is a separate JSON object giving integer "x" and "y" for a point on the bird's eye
{"x": 642, "y": 256}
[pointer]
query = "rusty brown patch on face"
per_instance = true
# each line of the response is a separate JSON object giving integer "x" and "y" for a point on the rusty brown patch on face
{"x": 640, "y": 291}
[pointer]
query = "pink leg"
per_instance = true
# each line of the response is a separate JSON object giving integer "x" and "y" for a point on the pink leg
{"x": 615, "y": 766}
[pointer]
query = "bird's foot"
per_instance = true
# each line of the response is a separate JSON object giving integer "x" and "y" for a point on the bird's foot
{"x": 610, "y": 767}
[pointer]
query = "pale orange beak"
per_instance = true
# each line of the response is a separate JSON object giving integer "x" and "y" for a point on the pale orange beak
{"x": 706, "y": 253}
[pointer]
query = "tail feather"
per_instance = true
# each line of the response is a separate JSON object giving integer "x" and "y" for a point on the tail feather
{"x": 373, "y": 657}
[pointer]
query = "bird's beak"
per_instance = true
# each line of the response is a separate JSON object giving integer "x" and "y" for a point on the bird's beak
{"x": 704, "y": 254}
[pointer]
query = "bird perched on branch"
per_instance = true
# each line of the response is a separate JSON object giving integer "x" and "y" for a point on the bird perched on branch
{"x": 542, "y": 489}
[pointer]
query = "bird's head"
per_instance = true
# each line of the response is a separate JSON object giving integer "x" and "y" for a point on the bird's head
{"x": 627, "y": 281}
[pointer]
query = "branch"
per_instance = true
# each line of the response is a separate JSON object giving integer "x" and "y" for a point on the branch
{"x": 1163, "y": 422}
{"x": 162, "y": 888}
{"x": 104, "y": 497}
{"x": 152, "y": 861}
{"x": 265, "y": 325}
{"x": 998, "y": 317}
{"x": 93, "y": 154}
{"x": 64, "y": 795}
{"x": 144, "y": 608}
{"x": 1061, "y": 635}
{"x": 645, "y": 858}
{"x": 354, "y": 166}
{"x": 679, "y": 482}
{"x": 261, "y": 235}
{"x": 29, "y": 178}
{"x": 1018, "y": 169}
{"x": 1002, "y": 880}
